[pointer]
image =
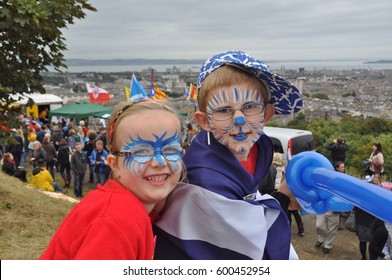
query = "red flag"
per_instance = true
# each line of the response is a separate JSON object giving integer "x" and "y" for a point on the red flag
{"x": 156, "y": 93}
{"x": 97, "y": 94}
{"x": 192, "y": 94}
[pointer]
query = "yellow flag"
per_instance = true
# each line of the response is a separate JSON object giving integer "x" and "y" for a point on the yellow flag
{"x": 127, "y": 92}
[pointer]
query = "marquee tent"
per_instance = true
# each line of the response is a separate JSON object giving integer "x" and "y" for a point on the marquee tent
{"x": 79, "y": 111}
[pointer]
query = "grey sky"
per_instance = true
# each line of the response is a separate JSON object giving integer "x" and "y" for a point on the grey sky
{"x": 268, "y": 30}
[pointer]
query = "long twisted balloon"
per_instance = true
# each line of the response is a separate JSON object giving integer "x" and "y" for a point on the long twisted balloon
{"x": 319, "y": 188}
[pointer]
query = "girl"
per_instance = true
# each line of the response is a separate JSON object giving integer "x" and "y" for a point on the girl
{"x": 376, "y": 160}
{"x": 113, "y": 221}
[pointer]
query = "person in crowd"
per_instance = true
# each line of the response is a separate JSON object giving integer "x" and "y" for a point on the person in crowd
{"x": 102, "y": 137}
{"x": 73, "y": 138}
{"x": 43, "y": 180}
{"x": 388, "y": 246}
{"x": 51, "y": 154}
{"x": 31, "y": 137}
{"x": 294, "y": 210}
{"x": 43, "y": 115}
{"x": 113, "y": 222}
{"x": 63, "y": 158}
{"x": 338, "y": 149}
{"x": 88, "y": 150}
{"x": 222, "y": 215}
{"x": 190, "y": 133}
{"x": 267, "y": 185}
{"x": 376, "y": 160}
{"x": 277, "y": 160}
{"x": 41, "y": 132}
{"x": 39, "y": 153}
{"x": 84, "y": 126}
{"x": 80, "y": 133}
{"x": 78, "y": 165}
{"x": 98, "y": 161}
{"x": 15, "y": 146}
{"x": 378, "y": 232}
{"x": 327, "y": 224}
{"x": 9, "y": 168}
{"x": 34, "y": 124}
{"x": 24, "y": 149}
{"x": 364, "y": 222}
{"x": 56, "y": 136}
{"x": 378, "y": 240}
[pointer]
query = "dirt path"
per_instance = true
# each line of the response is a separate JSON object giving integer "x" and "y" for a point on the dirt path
{"x": 345, "y": 246}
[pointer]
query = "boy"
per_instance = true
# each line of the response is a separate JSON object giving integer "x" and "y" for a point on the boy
{"x": 79, "y": 166}
{"x": 222, "y": 216}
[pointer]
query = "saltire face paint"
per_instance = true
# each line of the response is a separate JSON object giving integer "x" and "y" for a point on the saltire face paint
{"x": 141, "y": 152}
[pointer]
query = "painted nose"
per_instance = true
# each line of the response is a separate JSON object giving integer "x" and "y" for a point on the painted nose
{"x": 239, "y": 120}
{"x": 158, "y": 158}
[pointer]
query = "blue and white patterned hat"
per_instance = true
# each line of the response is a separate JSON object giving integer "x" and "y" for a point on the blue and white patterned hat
{"x": 285, "y": 97}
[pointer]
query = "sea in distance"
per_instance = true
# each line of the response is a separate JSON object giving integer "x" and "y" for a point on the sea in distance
{"x": 310, "y": 65}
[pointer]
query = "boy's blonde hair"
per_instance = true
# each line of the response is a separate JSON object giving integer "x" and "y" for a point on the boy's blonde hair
{"x": 226, "y": 76}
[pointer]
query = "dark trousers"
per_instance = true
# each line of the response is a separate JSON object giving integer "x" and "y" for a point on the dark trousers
{"x": 78, "y": 183}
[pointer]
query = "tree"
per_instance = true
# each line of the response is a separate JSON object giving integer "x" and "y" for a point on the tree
{"x": 31, "y": 40}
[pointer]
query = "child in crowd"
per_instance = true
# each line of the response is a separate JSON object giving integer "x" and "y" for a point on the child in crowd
{"x": 223, "y": 216}
{"x": 113, "y": 221}
{"x": 79, "y": 166}
{"x": 98, "y": 163}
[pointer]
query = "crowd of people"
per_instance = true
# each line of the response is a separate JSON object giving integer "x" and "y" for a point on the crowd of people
{"x": 164, "y": 195}
{"x": 58, "y": 148}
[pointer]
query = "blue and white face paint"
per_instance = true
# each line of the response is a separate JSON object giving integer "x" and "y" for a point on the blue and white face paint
{"x": 239, "y": 132}
{"x": 140, "y": 152}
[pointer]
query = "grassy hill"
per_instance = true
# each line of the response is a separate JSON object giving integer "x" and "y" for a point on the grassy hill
{"x": 29, "y": 218}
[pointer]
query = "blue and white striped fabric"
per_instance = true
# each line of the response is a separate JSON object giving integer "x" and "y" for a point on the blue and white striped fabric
{"x": 286, "y": 97}
{"x": 221, "y": 215}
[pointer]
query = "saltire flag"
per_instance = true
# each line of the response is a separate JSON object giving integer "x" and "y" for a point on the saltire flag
{"x": 127, "y": 93}
{"x": 186, "y": 94}
{"x": 137, "y": 92}
{"x": 156, "y": 93}
{"x": 97, "y": 94}
{"x": 192, "y": 94}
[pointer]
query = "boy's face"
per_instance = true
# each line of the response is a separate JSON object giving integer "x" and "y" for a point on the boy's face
{"x": 153, "y": 167}
{"x": 239, "y": 130}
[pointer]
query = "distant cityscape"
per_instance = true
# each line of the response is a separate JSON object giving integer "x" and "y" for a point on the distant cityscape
{"x": 361, "y": 92}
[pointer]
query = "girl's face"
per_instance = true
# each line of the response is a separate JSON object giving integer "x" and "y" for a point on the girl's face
{"x": 152, "y": 165}
{"x": 241, "y": 129}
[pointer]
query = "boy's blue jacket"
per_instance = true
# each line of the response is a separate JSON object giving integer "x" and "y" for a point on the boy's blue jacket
{"x": 220, "y": 214}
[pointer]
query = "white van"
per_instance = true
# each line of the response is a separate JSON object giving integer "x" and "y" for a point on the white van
{"x": 290, "y": 142}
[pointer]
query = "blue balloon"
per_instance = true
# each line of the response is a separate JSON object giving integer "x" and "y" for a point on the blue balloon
{"x": 319, "y": 188}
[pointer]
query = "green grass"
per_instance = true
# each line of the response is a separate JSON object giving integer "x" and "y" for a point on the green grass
{"x": 28, "y": 219}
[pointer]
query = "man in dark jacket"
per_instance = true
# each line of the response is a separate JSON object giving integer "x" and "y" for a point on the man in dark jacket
{"x": 338, "y": 150}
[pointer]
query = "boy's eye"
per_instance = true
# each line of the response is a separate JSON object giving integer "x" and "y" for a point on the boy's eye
{"x": 224, "y": 110}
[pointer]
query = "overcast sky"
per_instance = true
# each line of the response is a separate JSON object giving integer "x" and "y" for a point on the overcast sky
{"x": 268, "y": 30}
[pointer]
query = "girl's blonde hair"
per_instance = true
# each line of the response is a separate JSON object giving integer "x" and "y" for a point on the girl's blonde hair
{"x": 226, "y": 76}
